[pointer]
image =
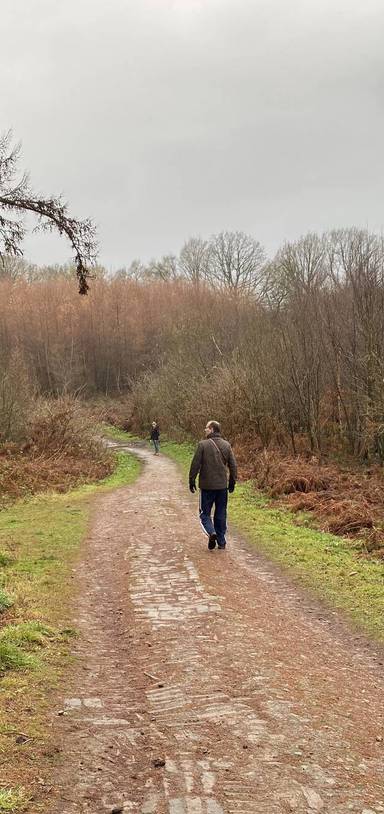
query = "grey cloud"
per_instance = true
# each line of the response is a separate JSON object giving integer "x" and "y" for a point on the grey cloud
{"x": 163, "y": 119}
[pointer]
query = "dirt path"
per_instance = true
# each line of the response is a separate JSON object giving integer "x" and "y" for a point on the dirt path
{"x": 206, "y": 683}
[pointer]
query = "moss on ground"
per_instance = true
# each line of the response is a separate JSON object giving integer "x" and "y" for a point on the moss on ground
{"x": 12, "y": 800}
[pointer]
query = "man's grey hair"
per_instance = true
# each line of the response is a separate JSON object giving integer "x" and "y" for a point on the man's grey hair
{"x": 214, "y": 425}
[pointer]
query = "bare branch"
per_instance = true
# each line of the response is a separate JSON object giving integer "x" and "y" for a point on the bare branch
{"x": 17, "y": 197}
{"x": 236, "y": 263}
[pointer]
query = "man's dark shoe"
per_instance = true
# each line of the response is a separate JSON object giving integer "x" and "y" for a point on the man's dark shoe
{"x": 222, "y": 547}
{"x": 212, "y": 541}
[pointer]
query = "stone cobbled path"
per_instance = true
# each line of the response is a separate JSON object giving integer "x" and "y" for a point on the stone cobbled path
{"x": 206, "y": 683}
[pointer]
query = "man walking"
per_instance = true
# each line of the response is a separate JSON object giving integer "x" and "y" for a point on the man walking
{"x": 212, "y": 459}
{"x": 155, "y": 436}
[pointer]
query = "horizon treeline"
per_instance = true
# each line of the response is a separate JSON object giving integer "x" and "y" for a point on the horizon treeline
{"x": 288, "y": 351}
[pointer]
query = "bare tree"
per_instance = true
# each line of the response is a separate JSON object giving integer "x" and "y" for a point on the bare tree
{"x": 300, "y": 267}
{"x": 17, "y": 197}
{"x": 300, "y": 274}
{"x": 356, "y": 260}
{"x": 163, "y": 269}
{"x": 16, "y": 268}
{"x": 194, "y": 260}
{"x": 236, "y": 263}
{"x": 136, "y": 271}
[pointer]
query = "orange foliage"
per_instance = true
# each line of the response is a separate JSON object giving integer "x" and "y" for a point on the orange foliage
{"x": 347, "y": 502}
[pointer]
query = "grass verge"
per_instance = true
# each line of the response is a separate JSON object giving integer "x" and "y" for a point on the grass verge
{"x": 12, "y": 800}
{"x": 118, "y": 435}
{"x": 39, "y": 541}
{"x": 329, "y": 566}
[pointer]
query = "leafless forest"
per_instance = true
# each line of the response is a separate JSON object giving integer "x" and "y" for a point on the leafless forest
{"x": 287, "y": 351}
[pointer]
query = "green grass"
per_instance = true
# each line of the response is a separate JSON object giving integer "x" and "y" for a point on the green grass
{"x": 5, "y": 559}
{"x": 127, "y": 470}
{"x": 5, "y": 601}
{"x": 325, "y": 564}
{"x": 118, "y": 435}
{"x": 40, "y": 540}
{"x": 26, "y": 634}
{"x": 16, "y": 642}
{"x": 12, "y": 800}
{"x": 181, "y": 453}
{"x": 13, "y": 658}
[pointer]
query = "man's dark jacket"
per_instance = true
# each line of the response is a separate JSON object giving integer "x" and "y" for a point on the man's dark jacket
{"x": 212, "y": 459}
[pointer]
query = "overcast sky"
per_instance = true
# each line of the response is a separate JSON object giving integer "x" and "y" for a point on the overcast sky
{"x": 163, "y": 119}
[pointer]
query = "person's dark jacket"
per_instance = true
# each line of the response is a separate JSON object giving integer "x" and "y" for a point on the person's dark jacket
{"x": 212, "y": 460}
{"x": 155, "y": 434}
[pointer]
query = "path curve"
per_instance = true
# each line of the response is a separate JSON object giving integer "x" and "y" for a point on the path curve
{"x": 206, "y": 683}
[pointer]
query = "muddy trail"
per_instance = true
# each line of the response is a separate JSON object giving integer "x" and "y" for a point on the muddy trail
{"x": 206, "y": 682}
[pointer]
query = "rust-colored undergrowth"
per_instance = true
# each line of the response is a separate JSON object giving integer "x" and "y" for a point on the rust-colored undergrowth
{"x": 23, "y": 474}
{"x": 61, "y": 451}
{"x": 344, "y": 500}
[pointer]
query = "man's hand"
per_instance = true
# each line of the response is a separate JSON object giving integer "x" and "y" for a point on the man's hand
{"x": 192, "y": 486}
{"x": 231, "y": 485}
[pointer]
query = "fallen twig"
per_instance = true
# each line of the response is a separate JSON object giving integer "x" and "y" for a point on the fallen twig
{"x": 151, "y": 676}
